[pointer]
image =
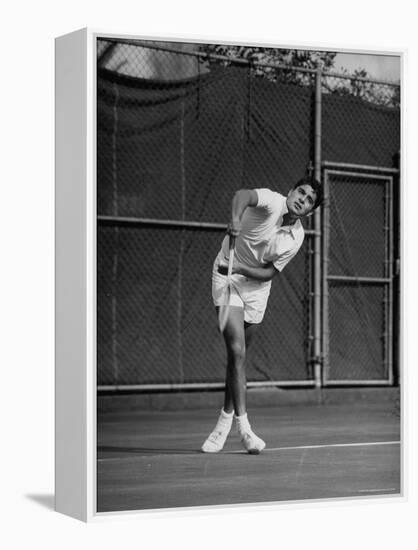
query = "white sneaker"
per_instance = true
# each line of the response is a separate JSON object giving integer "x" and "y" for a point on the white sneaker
{"x": 216, "y": 440}
{"x": 252, "y": 443}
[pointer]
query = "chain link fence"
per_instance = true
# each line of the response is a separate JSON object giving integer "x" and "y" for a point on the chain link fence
{"x": 357, "y": 127}
{"x": 358, "y": 291}
{"x": 179, "y": 130}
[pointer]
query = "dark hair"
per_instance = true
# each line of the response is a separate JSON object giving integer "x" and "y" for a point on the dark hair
{"x": 316, "y": 186}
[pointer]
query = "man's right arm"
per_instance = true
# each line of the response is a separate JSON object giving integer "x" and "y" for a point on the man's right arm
{"x": 241, "y": 201}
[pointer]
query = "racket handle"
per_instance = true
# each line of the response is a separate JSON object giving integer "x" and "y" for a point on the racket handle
{"x": 231, "y": 255}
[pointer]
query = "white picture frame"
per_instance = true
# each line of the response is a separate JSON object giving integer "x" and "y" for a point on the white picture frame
{"x": 76, "y": 379}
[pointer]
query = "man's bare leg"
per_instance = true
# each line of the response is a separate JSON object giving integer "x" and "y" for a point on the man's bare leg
{"x": 249, "y": 330}
{"x": 237, "y": 336}
{"x": 235, "y": 387}
{"x": 236, "y": 382}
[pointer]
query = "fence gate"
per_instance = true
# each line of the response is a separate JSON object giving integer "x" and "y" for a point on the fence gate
{"x": 357, "y": 275}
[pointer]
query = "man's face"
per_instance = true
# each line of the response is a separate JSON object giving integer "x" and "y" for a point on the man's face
{"x": 301, "y": 200}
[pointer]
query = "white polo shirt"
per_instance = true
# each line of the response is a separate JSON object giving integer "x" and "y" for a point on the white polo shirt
{"x": 263, "y": 238}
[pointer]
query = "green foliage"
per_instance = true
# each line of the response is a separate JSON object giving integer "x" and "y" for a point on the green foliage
{"x": 306, "y": 59}
{"x": 278, "y": 65}
{"x": 360, "y": 85}
{"x": 275, "y": 64}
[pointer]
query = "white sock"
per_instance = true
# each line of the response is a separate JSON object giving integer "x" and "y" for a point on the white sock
{"x": 224, "y": 420}
{"x": 226, "y": 415}
{"x": 243, "y": 424}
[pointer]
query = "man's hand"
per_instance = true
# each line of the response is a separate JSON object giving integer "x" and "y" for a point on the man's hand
{"x": 234, "y": 227}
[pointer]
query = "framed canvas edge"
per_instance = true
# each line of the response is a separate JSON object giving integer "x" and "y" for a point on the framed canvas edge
{"x": 357, "y": 48}
{"x": 75, "y": 372}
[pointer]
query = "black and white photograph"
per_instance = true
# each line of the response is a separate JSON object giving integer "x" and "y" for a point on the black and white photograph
{"x": 209, "y": 275}
{"x": 248, "y": 274}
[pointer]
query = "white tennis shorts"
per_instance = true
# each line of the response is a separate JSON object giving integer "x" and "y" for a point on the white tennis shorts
{"x": 250, "y": 294}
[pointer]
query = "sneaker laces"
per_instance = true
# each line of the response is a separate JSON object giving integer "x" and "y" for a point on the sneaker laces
{"x": 214, "y": 436}
{"x": 219, "y": 432}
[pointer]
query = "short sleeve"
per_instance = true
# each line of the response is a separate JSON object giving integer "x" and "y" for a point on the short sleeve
{"x": 282, "y": 255}
{"x": 266, "y": 198}
{"x": 284, "y": 259}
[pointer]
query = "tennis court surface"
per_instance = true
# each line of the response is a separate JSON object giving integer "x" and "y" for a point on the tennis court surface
{"x": 152, "y": 459}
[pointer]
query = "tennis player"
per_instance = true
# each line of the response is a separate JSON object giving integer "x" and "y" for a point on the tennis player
{"x": 268, "y": 231}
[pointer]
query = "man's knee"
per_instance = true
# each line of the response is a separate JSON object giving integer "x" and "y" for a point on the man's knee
{"x": 236, "y": 351}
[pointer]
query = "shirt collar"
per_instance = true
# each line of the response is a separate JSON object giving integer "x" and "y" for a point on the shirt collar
{"x": 285, "y": 209}
{"x": 288, "y": 228}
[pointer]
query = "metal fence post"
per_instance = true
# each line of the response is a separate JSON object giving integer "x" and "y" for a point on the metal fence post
{"x": 325, "y": 269}
{"x": 317, "y": 359}
{"x": 115, "y": 259}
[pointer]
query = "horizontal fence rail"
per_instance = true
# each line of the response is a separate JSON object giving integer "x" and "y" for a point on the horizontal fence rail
{"x": 248, "y": 62}
{"x": 205, "y": 226}
{"x": 360, "y": 167}
{"x": 200, "y": 386}
{"x": 348, "y": 279}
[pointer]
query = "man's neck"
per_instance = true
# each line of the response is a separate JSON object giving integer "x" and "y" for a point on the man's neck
{"x": 288, "y": 219}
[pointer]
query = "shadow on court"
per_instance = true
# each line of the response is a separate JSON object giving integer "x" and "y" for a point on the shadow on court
{"x": 152, "y": 460}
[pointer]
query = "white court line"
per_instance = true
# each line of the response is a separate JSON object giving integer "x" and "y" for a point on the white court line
{"x": 367, "y": 444}
{"x": 272, "y": 449}
{"x": 386, "y": 489}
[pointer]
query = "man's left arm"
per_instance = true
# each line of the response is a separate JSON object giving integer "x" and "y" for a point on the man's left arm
{"x": 262, "y": 273}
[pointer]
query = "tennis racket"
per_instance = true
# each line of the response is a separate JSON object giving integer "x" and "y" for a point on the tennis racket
{"x": 224, "y": 309}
